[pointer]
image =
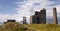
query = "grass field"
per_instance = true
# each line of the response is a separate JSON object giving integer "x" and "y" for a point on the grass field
{"x": 31, "y": 27}
{"x": 43, "y": 27}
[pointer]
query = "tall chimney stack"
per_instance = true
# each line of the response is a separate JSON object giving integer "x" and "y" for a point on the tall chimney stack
{"x": 55, "y": 21}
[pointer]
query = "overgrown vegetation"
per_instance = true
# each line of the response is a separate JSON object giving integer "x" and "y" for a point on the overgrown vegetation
{"x": 31, "y": 27}
{"x": 12, "y": 27}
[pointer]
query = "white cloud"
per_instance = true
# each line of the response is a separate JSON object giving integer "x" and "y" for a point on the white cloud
{"x": 4, "y": 17}
{"x": 27, "y": 8}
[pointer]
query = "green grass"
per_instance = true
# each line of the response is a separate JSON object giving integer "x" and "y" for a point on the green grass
{"x": 44, "y": 27}
{"x": 31, "y": 27}
{"x": 12, "y": 27}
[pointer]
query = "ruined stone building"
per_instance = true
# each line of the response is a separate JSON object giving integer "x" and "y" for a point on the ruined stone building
{"x": 10, "y": 20}
{"x": 39, "y": 17}
{"x": 24, "y": 20}
{"x": 31, "y": 19}
{"x": 55, "y": 20}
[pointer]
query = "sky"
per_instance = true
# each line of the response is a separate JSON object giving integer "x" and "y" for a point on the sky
{"x": 17, "y": 9}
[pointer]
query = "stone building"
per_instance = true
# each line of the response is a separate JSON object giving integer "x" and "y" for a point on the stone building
{"x": 31, "y": 18}
{"x": 39, "y": 17}
{"x": 11, "y": 20}
{"x": 24, "y": 20}
{"x": 55, "y": 20}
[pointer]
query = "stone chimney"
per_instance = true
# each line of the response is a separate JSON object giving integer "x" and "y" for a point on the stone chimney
{"x": 55, "y": 21}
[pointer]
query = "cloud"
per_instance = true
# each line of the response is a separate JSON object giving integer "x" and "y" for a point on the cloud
{"x": 28, "y": 8}
{"x": 4, "y": 17}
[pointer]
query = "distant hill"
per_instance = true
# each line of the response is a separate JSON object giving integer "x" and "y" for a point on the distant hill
{"x": 29, "y": 27}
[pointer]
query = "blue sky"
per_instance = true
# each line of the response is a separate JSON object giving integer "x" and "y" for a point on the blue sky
{"x": 8, "y": 6}
{"x": 16, "y": 9}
